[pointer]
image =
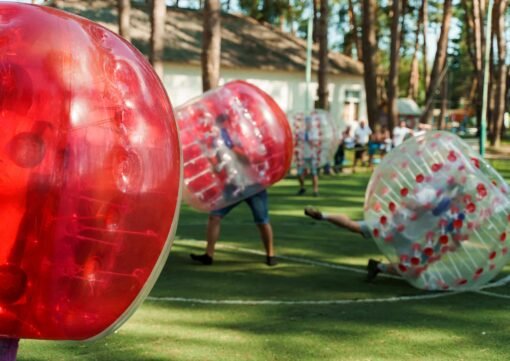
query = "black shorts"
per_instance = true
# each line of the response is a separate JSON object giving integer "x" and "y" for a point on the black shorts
{"x": 358, "y": 151}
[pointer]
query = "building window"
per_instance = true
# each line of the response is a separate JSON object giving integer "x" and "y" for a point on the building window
{"x": 351, "y": 106}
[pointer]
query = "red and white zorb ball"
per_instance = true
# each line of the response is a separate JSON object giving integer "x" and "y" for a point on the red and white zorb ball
{"x": 236, "y": 141}
{"x": 315, "y": 138}
{"x": 440, "y": 213}
{"x": 89, "y": 178}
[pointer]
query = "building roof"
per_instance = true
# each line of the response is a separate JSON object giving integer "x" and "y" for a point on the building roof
{"x": 246, "y": 43}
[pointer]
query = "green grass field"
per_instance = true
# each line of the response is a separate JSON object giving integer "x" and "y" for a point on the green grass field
{"x": 384, "y": 320}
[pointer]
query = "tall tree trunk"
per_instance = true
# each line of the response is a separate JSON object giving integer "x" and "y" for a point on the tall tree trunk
{"x": 322, "y": 90}
{"x": 471, "y": 47}
{"x": 394, "y": 64}
{"x": 444, "y": 102}
{"x": 414, "y": 77}
{"x": 316, "y": 25}
{"x": 438, "y": 68}
{"x": 369, "y": 42}
{"x": 478, "y": 35}
{"x": 211, "y": 44}
{"x": 470, "y": 24}
{"x": 403, "y": 30}
{"x": 355, "y": 32}
{"x": 124, "y": 8}
{"x": 158, "y": 18}
{"x": 425, "y": 46}
{"x": 176, "y": 4}
{"x": 501, "y": 72}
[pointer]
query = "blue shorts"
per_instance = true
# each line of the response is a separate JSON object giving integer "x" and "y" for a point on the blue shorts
{"x": 258, "y": 204}
{"x": 308, "y": 163}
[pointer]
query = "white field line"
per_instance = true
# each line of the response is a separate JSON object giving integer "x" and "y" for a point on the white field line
{"x": 300, "y": 302}
{"x": 499, "y": 283}
{"x": 492, "y": 294}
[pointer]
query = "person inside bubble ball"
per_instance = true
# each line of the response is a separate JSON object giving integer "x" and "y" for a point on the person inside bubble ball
{"x": 227, "y": 154}
{"x": 229, "y": 158}
{"x": 427, "y": 206}
{"x": 374, "y": 267}
{"x": 310, "y": 164}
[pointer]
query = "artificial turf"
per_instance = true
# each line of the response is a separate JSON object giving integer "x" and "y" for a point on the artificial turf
{"x": 456, "y": 326}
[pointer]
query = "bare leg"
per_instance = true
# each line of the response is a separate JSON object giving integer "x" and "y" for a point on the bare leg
{"x": 354, "y": 164}
{"x": 343, "y": 221}
{"x": 315, "y": 181}
{"x": 213, "y": 233}
{"x": 301, "y": 180}
{"x": 266, "y": 235}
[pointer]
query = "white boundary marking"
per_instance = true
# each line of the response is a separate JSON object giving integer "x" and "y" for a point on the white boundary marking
{"x": 493, "y": 294}
{"x": 502, "y": 282}
{"x": 305, "y": 302}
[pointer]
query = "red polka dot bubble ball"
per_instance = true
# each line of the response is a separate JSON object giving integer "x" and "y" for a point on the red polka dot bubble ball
{"x": 440, "y": 213}
{"x": 315, "y": 138}
{"x": 89, "y": 178}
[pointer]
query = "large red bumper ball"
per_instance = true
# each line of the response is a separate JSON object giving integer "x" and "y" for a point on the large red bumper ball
{"x": 89, "y": 177}
{"x": 236, "y": 141}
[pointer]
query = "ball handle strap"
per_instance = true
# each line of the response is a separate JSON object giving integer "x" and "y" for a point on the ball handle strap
{"x": 8, "y": 349}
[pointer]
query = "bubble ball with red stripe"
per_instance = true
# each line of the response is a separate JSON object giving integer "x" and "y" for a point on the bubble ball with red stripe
{"x": 236, "y": 141}
{"x": 315, "y": 138}
{"x": 440, "y": 213}
{"x": 89, "y": 179}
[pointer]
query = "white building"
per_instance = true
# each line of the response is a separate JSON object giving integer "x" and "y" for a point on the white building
{"x": 258, "y": 53}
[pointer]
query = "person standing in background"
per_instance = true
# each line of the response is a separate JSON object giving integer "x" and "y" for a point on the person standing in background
{"x": 340, "y": 151}
{"x": 400, "y": 132}
{"x": 361, "y": 138}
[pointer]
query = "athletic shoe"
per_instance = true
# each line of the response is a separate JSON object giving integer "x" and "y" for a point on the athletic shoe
{"x": 313, "y": 213}
{"x": 372, "y": 269}
{"x": 202, "y": 258}
{"x": 271, "y": 260}
{"x": 301, "y": 192}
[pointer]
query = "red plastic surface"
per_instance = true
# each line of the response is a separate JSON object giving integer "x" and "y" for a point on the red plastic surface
{"x": 216, "y": 174}
{"x": 89, "y": 176}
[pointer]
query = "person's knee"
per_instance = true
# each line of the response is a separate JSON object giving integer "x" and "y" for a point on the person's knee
{"x": 214, "y": 219}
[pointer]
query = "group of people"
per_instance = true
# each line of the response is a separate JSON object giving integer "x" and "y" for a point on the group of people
{"x": 363, "y": 138}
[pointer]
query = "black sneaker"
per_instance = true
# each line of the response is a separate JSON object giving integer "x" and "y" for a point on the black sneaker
{"x": 372, "y": 269}
{"x": 313, "y": 213}
{"x": 315, "y": 194}
{"x": 202, "y": 258}
{"x": 301, "y": 192}
{"x": 271, "y": 261}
